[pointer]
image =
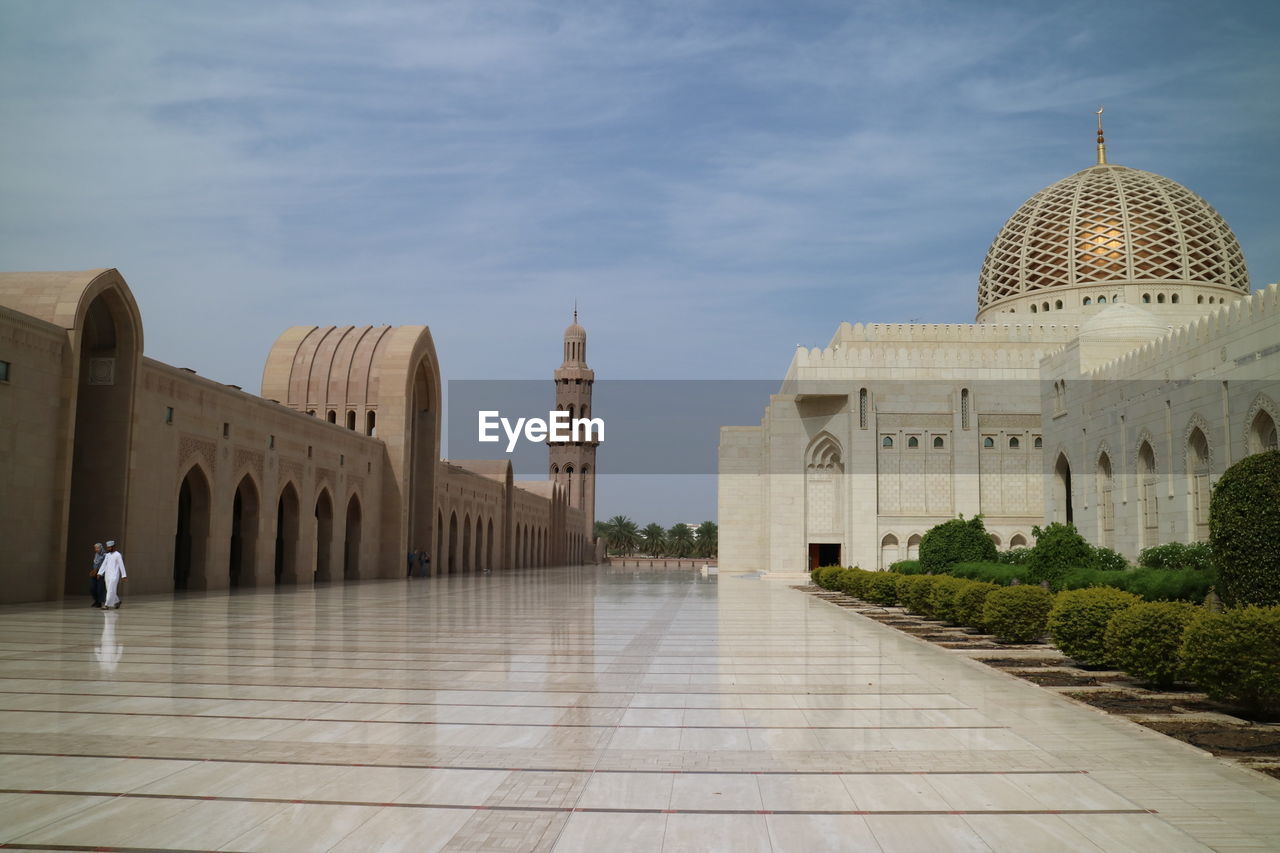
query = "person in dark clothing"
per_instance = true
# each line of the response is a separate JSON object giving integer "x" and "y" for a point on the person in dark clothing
{"x": 97, "y": 587}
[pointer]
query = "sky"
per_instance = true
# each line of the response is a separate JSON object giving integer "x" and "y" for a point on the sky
{"x": 713, "y": 182}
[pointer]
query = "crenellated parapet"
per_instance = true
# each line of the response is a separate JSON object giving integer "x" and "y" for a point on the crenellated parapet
{"x": 1228, "y": 322}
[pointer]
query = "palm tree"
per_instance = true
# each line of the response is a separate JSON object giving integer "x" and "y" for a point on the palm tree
{"x": 708, "y": 543}
{"x": 680, "y": 540}
{"x": 654, "y": 538}
{"x": 623, "y": 535}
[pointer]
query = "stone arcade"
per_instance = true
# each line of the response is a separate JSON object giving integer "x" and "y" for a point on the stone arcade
{"x": 333, "y": 474}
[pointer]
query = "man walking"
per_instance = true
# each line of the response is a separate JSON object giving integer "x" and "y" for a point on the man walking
{"x": 112, "y": 572}
{"x": 95, "y": 582}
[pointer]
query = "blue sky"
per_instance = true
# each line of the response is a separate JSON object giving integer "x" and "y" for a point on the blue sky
{"x": 714, "y": 182}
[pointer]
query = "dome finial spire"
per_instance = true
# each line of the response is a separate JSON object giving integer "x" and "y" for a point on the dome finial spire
{"x": 1102, "y": 145}
{"x": 575, "y": 310}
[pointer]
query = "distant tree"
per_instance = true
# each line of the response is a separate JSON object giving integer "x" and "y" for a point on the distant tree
{"x": 680, "y": 540}
{"x": 654, "y": 539}
{"x": 708, "y": 539}
{"x": 622, "y": 534}
{"x": 602, "y": 530}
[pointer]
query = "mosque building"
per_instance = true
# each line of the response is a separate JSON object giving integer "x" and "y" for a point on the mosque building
{"x": 1118, "y": 365}
{"x": 333, "y": 474}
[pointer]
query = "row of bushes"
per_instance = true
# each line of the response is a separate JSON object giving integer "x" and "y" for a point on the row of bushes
{"x": 1233, "y": 656}
{"x": 1152, "y": 584}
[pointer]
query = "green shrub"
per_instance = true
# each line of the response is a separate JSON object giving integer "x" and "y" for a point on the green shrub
{"x": 1146, "y": 639}
{"x": 1244, "y": 528}
{"x": 1078, "y": 621}
{"x": 1106, "y": 560}
{"x": 1058, "y": 547}
{"x": 852, "y": 582}
{"x": 914, "y": 590}
{"x": 991, "y": 572}
{"x": 907, "y": 567}
{"x": 955, "y": 541}
{"x": 823, "y": 576}
{"x": 1176, "y": 555}
{"x": 882, "y": 588}
{"x": 1014, "y": 556}
{"x": 1235, "y": 656}
{"x": 1017, "y": 614}
{"x": 970, "y": 601}
{"x": 944, "y": 598}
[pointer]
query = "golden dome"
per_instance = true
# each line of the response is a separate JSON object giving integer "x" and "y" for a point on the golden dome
{"x": 1105, "y": 225}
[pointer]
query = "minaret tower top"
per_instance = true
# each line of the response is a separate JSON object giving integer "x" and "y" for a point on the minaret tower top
{"x": 573, "y": 463}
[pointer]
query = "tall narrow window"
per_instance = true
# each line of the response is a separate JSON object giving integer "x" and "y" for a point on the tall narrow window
{"x": 351, "y": 420}
{"x": 370, "y": 423}
{"x": 862, "y": 409}
{"x": 964, "y": 408}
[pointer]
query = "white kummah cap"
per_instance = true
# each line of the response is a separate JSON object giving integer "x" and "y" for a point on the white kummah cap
{"x": 111, "y": 543}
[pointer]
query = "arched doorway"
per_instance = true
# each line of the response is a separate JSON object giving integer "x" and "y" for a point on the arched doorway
{"x": 287, "y": 514}
{"x": 109, "y": 343}
{"x": 191, "y": 538}
{"x": 479, "y": 558}
{"x": 453, "y": 542}
{"x": 1149, "y": 533}
{"x": 324, "y": 536}
{"x": 466, "y": 543}
{"x": 440, "y": 565}
{"x": 1062, "y": 489}
{"x": 1198, "y": 485}
{"x": 424, "y": 445}
{"x": 351, "y": 548}
{"x": 245, "y": 521}
{"x": 1106, "y": 502}
{"x": 488, "y": 547}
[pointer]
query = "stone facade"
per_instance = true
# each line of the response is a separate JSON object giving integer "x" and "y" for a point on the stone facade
{"x": 1102, "y": 340}
{"x": 333, "y": 474}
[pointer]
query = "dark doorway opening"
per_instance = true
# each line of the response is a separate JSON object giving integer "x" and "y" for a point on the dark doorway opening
{"x": 823, "y": 554}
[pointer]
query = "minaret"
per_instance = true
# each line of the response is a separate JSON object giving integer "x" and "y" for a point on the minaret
{"x": 573, "y": 463}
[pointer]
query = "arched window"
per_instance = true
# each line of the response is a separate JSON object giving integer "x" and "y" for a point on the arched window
{"x": 1034, "y": 309}
{"x": 1014, "y": 444}
{"x": 888, "y": 550}
{"x": 1200, "y": 299}
{"x": 333, "y": 416}
{"x": 1062, "y": 482}
{"x": 1262, "y": 432}
{"x": 964, "y": 407}
{"x": 995, "y": 540}
{"x": 862, "y": 409}
{"x": 913, "y": 442}
{"x": 1038, "y": 443}
{"x": 913, "y": 547}
{"x": 370, "y": 423}
{"x": 1106, "y": 507}
{"x": 1088, "y": 301}
{"x": 1147, "y": 485}
{"x": 1044, "y": 306}
{"x": 1146, "y": 297}
{"x": 1198, "y": 469}
{"x": 887, "y": 441}
{"x": 1115, "y": 297}
{"x": 1160, "y": 298}
{"x": 1102, "y": 300}
{"x": 938, "y": 442}
{"x": 1018, "y": 541}
{"x": 988, "y": 442}
{"x": 1058, "y": 304}
{"x": 351, "y": 420}
{"x": 1174, "y": 299}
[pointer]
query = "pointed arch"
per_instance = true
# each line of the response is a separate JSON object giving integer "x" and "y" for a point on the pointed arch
{"x": 324, "y": 536}
{"x": 1148, "y": 498}
{"x": 352, "y": 539}
{"x": 453, "y": 543}
{"x": 246, "y": 522}
{"x": 1104, "y": 483}
{"x": 1199, "y": 465}
{"x": 1063, "y": 508}
{"x": 191, "y": 536}
{"x": 888, "y": 550}
{"x": 1260, "y": 425}
{"x": 913, "y": 546}
{"x": 287, "y": 524}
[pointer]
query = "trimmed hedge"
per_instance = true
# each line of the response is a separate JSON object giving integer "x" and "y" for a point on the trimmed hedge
{"x": 1078, "y": 621}
{"x": 907, "y": 567}
{"x": 914, "y": 592}
{"x": 1146, "y": 639}
{"x": 1152, "y": 584}
{"x": 991, "y": 572}
{"x": 956, "y": 541}
{"x": 1244, "y": 527}
{"x": 1017, "y": 614}
{"x": 1177, "y": 555}
{"x": 944, "y": 598}
{"x": 970, "y": 601}
{"x": 1235, "y": 656}
{"x": 882, "y": 588}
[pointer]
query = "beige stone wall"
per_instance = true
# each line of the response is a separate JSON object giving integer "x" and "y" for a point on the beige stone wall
{"x": 33, "y": 465}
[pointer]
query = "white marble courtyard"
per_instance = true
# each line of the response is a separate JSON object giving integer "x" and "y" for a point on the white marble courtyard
{"x": 567, "y": 710}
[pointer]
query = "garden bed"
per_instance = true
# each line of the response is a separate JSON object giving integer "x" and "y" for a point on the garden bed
{"x": 1236, "y": 741}
{"x": 1125, "y": 702}
{"x": 1064, "y": 678}
{"x": 1023, "y": 663}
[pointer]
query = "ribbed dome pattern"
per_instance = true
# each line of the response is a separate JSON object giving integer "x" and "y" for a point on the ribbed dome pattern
{"x": 1110, "y": 223}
